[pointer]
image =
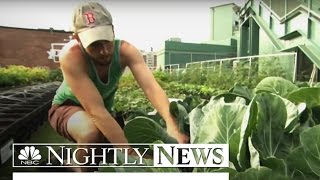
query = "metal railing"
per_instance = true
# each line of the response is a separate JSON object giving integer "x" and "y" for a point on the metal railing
{"x": 172, "y": 67}
{"x": 283, "y": 64}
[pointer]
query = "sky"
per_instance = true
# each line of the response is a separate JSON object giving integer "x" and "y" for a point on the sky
{"x": 144, "y": 23}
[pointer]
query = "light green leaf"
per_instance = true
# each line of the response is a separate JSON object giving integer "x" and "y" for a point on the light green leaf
{"x": 220, "y": 124}
{"x": 248, "y": 123}
{"x": 234, "y": 149}
{"x": 308, "y": 95}
{"x": 254, "y": 155}
{"x": 220, "y": 121}
{"x": 292, "y": 114}
{"x": 276, "y": 85}
{"x": 195, "y": 119}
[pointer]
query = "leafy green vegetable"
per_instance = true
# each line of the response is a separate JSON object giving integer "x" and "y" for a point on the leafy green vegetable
{"x": 145, "y": 130}
{"x": 310, "y": 140}
{"x": 276, "y": 85}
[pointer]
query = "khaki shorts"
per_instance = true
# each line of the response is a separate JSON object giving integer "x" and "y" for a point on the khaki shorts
{"x": 59, "y": 116}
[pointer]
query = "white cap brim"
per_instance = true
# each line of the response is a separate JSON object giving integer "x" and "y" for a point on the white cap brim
{"x": 95, "y": 34}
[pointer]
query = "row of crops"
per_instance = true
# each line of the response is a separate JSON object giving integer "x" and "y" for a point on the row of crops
{"x": 16, "y": 75}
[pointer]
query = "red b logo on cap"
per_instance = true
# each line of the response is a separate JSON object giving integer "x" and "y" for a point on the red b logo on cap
{"x": 90, "y": 18}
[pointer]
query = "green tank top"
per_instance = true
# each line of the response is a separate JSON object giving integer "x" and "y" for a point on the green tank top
{"x": 107, "y": 90}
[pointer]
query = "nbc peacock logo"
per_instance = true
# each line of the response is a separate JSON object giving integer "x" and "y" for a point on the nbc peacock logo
{"x": 29, "y": 156}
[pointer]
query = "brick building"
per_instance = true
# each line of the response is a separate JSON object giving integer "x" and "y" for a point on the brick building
{"x": 29, "y": 47}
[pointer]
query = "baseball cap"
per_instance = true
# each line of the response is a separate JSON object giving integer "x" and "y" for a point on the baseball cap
{"x": 92, "y": 22}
